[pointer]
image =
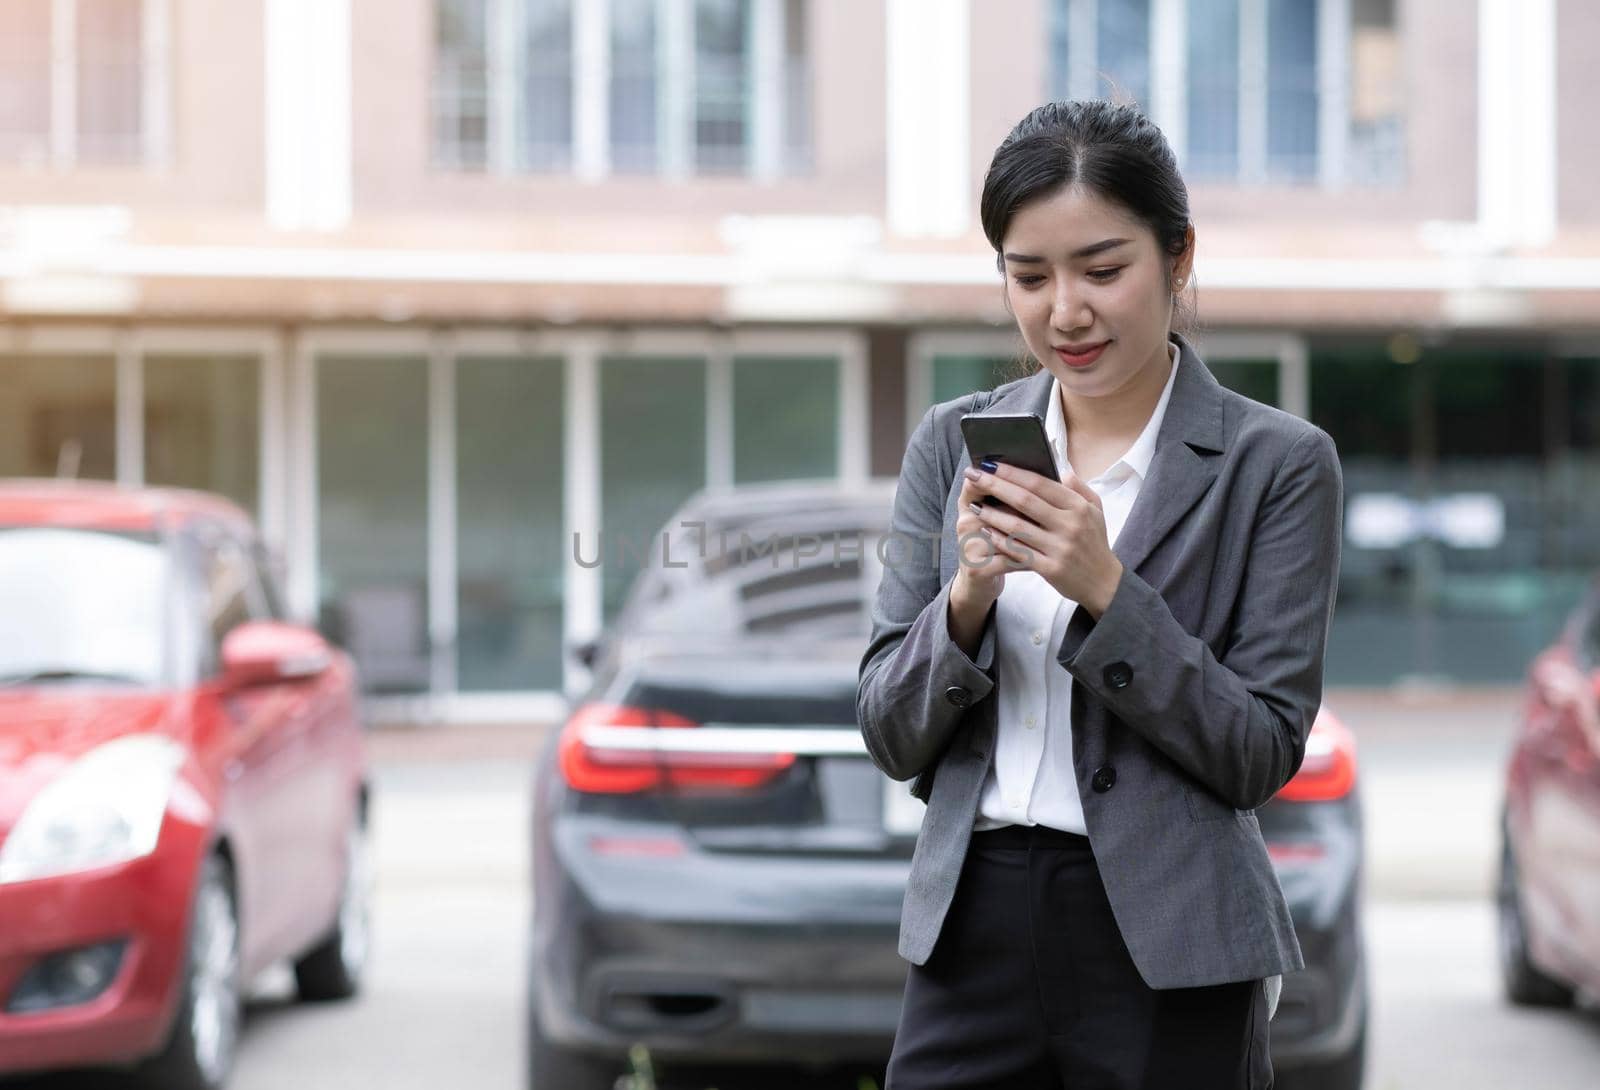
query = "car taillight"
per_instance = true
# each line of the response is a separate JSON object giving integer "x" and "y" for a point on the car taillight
{"x": 1329, "y": 769}
{"x": 616, "y": 749}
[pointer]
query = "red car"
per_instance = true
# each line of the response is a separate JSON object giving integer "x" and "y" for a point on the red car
{"x": 1548, "y": 894}
{"x": 183, "y": 785}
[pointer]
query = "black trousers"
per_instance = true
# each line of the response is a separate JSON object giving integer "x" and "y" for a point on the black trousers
{"x": 1030, "y": 987}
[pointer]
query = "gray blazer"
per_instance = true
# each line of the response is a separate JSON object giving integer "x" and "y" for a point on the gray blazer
{"x": 1193, "y": 693}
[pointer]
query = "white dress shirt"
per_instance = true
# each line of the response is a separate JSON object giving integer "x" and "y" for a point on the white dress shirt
{"x": 1031, "y": 780}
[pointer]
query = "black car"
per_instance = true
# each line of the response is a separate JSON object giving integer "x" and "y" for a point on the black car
{"x": 718, "y": 868}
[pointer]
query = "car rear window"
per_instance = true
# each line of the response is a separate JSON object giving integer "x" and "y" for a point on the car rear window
{"x": 763, "y": 576}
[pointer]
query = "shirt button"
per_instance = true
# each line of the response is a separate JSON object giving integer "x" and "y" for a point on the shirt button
{"x": 1029, "y": 721}
{"x": 958, "y": 696}
{"x": 1016, "y": 803}
{"x": 1038, "y": 638}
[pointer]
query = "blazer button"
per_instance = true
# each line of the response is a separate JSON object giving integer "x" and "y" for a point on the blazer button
{"x": 1103, "y": 779}
{"x": 958, "y": 696}
{"x": 1118, "y": 675}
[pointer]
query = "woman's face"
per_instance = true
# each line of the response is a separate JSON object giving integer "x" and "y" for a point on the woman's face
{"x": 1090, "y": 289}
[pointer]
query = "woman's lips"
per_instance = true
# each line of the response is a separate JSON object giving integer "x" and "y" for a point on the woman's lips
{"x": 1081, "y": 359}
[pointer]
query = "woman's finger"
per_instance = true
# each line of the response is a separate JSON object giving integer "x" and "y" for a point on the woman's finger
{"x": 1015, "y": 529}
{"x": 1078, "y": 485}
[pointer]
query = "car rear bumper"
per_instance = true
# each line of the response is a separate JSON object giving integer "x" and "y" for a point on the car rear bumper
{"x": 720, "y": 957}
{"x": 1323, "y": 1007}
{"x": 143, "y": 903}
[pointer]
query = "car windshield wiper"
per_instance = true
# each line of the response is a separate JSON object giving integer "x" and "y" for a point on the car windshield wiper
{"x": 34, "y": 677}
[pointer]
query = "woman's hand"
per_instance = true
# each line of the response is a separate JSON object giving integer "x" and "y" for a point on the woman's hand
{"x": 1057, "y": 529}
{"x": 981, "y": 570}
{"x": 980, "y": 573}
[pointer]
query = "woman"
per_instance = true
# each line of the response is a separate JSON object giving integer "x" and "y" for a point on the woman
{"x": 1095, "y": 690}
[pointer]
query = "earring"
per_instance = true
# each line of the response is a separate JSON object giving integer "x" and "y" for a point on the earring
{"x": 1177, "y": 285}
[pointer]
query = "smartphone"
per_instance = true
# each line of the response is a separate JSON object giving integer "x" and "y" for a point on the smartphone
{"x": 1014, "y": 438}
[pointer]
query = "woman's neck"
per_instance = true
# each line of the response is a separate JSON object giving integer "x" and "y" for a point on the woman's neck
{"x": 1121, "y": 415}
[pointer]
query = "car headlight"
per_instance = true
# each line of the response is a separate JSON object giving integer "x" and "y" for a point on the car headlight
{"x": 106, "y": 808}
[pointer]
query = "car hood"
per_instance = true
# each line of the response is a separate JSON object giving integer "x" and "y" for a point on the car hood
{"x": 41, "y": 733}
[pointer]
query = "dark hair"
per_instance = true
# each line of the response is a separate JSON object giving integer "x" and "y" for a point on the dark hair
{"x": 1110, "y": 149}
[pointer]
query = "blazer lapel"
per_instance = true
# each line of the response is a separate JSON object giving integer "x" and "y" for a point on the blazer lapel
{"x": 1181, "y": 471}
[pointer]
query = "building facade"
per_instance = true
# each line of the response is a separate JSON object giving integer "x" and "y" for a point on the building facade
{"x": 459, "y": 294}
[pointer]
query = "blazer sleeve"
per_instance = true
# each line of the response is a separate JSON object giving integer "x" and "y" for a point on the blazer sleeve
{"x": 1238, "y": 725}
{"x": 915, "y": 682}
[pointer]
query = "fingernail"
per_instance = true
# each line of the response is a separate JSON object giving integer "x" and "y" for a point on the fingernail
{"x": 988, "y": 467}
{"x": 971, "y": 474}
{"x": 976, "y": 509}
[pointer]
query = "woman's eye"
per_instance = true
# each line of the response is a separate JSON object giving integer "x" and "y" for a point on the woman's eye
{"x": 1029, "y": 281}
{"x": 1104, "y": 274}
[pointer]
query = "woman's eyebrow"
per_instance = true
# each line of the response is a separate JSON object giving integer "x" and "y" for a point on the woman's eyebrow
{"x": 1087, "y": 251}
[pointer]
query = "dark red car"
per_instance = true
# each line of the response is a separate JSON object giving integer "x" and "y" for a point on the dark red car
{"x": 1549, "y": 884}
{"x": 183, "y": 784}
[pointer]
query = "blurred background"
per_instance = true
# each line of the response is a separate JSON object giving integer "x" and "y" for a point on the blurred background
{"x": 446, "y": 293}
{"x": 431, "y": 286}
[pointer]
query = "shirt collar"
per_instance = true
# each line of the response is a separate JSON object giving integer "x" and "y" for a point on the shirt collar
{"x": 1137, "y": 458}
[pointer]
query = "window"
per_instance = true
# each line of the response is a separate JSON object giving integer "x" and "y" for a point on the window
{"x": 58, "y": 417}
{"x": 202, "y": 424}
{"x": 77, "y": 80}
{"x": 461, "y": 84}
{"x": 1247, "y": 102}
{"x": 652, "y": 458}
{"x": 675, "y": 86}
{"x": 721, "y": 85}
{"x": 372, "y": 495}
{"x": 510, "y": 549}
{"x": 268, "y": 575}
{"x": 227, "y": 590}
{"x": 633, "y": 98}
{"x": 547, "y": 92}
{"x": 785, "y": 418}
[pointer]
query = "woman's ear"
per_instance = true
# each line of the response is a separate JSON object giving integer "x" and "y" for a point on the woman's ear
{"x": 1183, "y": 265}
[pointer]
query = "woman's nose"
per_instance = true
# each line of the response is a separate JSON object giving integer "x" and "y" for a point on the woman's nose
{"x": 1070, "y": 310}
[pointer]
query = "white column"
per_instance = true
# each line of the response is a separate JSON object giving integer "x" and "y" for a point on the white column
{"x": 300, "y": 548}
{"x": 63, "y": 83}
{"x": 1517, "y": 121}
{"x": 1333, "y": 92}
{"x": 1252, "y": 91}
{"x": 767, "y": 86}
{"x": 442, "y": 597}
{"x": 929, "y": 123}
{"x": 855, "y": 448}
{"x": 580, "y": 497}
{"x": 719, "y": 415}
{"x": 675, "y": 86}
{"x": 308, "y": 114}
{"x": 1294, "y": 377}
{"x": 1169, "y": 66}
{"x": 591, "y": 98}
{"x": 129, "y": 410}
{"x": 505, "y": 103}
{"x": 156, "y": 114}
